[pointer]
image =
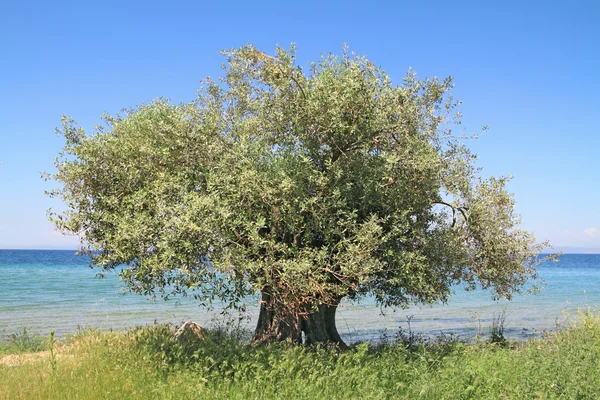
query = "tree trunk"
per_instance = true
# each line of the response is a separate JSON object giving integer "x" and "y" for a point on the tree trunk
{"x": 280, "y": 324}
{"x": 319, "y": 326}
{"x": 275, "y": 324}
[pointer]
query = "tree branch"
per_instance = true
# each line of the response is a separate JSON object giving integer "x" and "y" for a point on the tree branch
{"x": 454, "y": 209}
{"x": 278, "y": 64}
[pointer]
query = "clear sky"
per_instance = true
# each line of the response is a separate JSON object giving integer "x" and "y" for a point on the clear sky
{"x": 530, "y": 70}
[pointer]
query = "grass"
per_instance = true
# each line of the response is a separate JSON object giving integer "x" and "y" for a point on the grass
{"x": 147, "y": 363}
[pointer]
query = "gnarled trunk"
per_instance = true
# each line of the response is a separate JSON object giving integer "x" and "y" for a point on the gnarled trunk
{"x": 311, "y": 325}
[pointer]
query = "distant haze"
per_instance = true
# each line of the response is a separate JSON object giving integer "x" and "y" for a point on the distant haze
{"x": 574, "y": 250}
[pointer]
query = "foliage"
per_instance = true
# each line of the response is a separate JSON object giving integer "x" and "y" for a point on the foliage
{"x": 308, "y": 186}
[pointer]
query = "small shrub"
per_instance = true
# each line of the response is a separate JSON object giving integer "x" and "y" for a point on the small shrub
{"x": 22, "y": 342}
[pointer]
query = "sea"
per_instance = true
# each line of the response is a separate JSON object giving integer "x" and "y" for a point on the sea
{"x": 45, "y": 290}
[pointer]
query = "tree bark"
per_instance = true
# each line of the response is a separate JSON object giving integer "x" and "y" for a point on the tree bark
{"x": 275, "y": 324}
{"x": 319, "y": 326}
{"x": 313, "y": 325}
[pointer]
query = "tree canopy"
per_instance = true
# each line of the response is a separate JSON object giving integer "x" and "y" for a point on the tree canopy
{"x": 306, "y": 185}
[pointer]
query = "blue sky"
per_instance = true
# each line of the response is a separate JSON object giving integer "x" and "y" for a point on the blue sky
{"x": 529, "y": 70}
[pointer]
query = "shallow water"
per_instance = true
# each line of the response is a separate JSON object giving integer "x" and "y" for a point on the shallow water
{"x": 55, "y": 290}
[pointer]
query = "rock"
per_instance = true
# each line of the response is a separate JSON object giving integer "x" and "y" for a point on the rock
{"x": 190, "y": 331}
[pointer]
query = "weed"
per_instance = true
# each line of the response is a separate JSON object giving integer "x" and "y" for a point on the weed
{"x": 51, "y": 343}
{"x": 497, "y": 328}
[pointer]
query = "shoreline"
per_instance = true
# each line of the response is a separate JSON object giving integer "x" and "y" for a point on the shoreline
{"x": 151, "y": 363}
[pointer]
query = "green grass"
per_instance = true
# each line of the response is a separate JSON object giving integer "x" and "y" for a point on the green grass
{"x": 146, "y": 363}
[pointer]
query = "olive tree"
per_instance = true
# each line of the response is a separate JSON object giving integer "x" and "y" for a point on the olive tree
{"x": 305, "y": 186}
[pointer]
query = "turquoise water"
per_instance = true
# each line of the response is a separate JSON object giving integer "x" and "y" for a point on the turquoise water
{"x": 55, "y": 290}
